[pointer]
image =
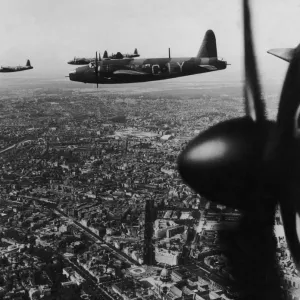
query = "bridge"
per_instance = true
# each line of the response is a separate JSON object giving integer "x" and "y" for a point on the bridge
{"x": 23, "y": 143}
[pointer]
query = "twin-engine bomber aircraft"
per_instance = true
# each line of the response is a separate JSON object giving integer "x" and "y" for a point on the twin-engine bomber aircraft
{"x": 85, "y": 61}
{"x": 128, "y": 70}
{"x": 16, "y": 69}
{"x": 81, "y": 61}
{"x": 119, "y": 55}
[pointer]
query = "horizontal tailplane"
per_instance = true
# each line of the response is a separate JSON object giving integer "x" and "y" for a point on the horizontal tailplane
{"x": 283, "y": 53}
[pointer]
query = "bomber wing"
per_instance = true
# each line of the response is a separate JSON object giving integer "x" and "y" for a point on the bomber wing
{"x": 129, "y": 72}
{"x": 209, "y": 67}
{"x": 283, "y": 53}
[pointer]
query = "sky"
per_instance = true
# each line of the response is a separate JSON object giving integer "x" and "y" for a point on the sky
{"x": 51, "y": 32}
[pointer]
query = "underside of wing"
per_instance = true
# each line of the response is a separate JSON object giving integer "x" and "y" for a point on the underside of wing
{"x": 283, "y": 53}
{"x": 209, "y": 67}
{"x": 129, "y": 72}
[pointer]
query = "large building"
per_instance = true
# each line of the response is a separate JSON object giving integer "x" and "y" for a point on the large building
{"x": 167, "y": 256}
{"x": 174, "y": 230}
{"x": 162, "y": 226}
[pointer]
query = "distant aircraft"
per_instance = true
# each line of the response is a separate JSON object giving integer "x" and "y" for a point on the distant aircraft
{"x": 81, "y": 61}
{"x": 85, "y": 61}
{"x": 283, "y": 53}
{"x": 128, "y": 70}
{"x": 135, "y": 54}
{"x": 16, "y": 69}
{"x": 119, "y": 55}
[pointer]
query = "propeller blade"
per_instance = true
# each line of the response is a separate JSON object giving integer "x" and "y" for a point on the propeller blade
{"x": 225, "y": 162}
{"x": 96, "y": 68}
{"x": 289, "y": 99}
{"x": 254, "y": 104}
{"x": 287, "y": 153}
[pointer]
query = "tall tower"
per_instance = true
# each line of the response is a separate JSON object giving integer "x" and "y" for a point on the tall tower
{"x": 150, "y": 217}
{"x": 126, "y": 146}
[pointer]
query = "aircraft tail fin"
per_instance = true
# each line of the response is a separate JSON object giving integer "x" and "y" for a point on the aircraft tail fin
{"x": 283, "y": 53}
{"x": 209, "y": 46}
{"x": 28, "y": 63}
{"x": 135, "y": 52}
{"x": 105, "y": 55}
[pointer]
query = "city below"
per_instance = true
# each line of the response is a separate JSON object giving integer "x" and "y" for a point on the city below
{"x": 91, "y": 202}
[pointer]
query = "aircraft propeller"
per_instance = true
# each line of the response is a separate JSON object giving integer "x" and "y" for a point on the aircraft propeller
{"x": 222, "y": 162}
{"x": 97, "y": 60}
{"x": 252, "y": 163}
